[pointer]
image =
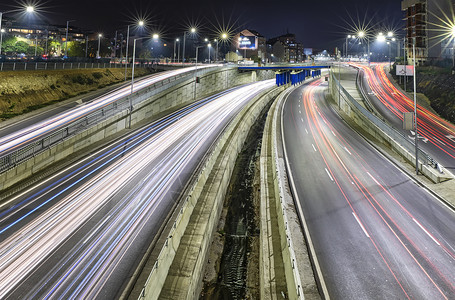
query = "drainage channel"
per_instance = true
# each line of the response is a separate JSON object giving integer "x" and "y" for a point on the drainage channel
{"x": 232, "y": 270}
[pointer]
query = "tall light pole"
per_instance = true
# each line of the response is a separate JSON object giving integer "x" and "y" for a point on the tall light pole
{"x": 99, "y": 45}
{"x": 209, "y": 46}
{"x": 28, "y": 9}
{"x": 1, "y": 39}
{"x": 66, "y": 37}
{"x": 216, "y": 50}
{"x": 140, "y": 24}
{"x": 192, "y": 30}
{"x": 362, "y": 35}
{"x": 175, "y": 42}
{"x": 178, "y": 51}
{"x": 155, "y": 37}
{"x": 453, "y": 46}
{"x": 415, "y": 109}
{"x": 347, "y": 38}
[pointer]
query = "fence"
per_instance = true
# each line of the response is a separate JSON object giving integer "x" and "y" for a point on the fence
{"x": 33, "y": 147}
{"x": 24, "y": 66}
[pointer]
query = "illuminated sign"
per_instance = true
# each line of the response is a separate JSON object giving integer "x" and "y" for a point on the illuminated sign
{"x": 247, "y": 42}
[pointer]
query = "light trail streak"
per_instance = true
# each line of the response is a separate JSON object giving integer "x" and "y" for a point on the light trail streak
{"x": 320, "y": 134}
{"x": 85, "y": 270}
{"x": 26, "y": 135}
{"x": 432, "y": 127}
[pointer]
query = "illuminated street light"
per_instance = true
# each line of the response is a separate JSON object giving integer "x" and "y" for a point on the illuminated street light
{"x": 99, "y": 44}
{"x": 224, "y": 36}
{"x": 175, "y": 42}
{"x": 28, "y": 9}
{"x": 347, "y": 42}
{"x": 192, "y": 31}
{"x": 362, "y": 34}
{"x": 390, "y": 34}
{"x": 155, "y": 36}
{"x": 140, "y": 24}
{"x": 209, "y": 46}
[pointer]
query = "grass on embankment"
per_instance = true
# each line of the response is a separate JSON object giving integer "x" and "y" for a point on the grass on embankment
{"x": 25, "y": 91}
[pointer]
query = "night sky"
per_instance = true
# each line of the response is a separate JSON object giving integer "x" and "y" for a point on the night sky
{"x": 317, "y": 24}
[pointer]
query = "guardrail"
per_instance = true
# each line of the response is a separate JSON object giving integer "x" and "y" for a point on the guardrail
{"x": 394, "y": 134}
{"x": 30, "y": 65}
{"x": 34, "y": 147}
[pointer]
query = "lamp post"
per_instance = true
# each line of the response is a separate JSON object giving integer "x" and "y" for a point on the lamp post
{"x": 140, "y": 24}
{"x": 209, "y": 46}
{"x": 415, "y": 110}
{"x": 28, "y": 9}
{"x": 66, "y": 37}
{"x": 99, "y": 45}
{"x": 361, "y": 35}
{"x": 192, "y": 30}
{"x": 155, "y": 36}
{"x": 175, "y": 42}
{"x": 216, "y": 50}
{"x": 1, "y": 39}
{"x": 346, "y": 53}
{"x": 453, "y": 46}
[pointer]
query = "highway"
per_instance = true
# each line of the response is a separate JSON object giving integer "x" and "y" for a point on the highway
{"x": 17, "y": 135}
{"x": 81, "y": 233}
{"x": 375, "y": 232}
{"x": 436, "y": 135}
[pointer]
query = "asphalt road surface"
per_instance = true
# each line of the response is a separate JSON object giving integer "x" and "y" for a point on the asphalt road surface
{"x": 376, "y": 233}
{"x": 81, "y": 233}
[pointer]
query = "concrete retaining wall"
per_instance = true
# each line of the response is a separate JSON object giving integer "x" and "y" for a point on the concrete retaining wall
{"x": 150, "y": 109}
{"x": 197, "y": 219}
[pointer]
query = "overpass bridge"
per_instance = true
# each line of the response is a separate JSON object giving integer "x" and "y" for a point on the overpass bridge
{"x": 289, "y": 73}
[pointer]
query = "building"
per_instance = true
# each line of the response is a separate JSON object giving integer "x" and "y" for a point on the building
{"x": 293, "y": 51}
{"x": 424, "y": 21}
{"x": 249, "y": 43}
{"x": 43, "y": 34}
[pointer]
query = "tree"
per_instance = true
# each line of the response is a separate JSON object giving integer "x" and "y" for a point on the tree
{"x": 75, "y": 49}
{"x": 21, "y": 47}
{"x": 8, "y": 45}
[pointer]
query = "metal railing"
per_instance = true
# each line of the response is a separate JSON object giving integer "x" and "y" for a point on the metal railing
{"x": 30, "y": 65}
{"x": 394, "y": 134}
{"x": 34, "y": 147}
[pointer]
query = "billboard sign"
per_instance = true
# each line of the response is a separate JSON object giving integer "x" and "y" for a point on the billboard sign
{"x": 401, "y": 71}
{"x": 247, "y": 42}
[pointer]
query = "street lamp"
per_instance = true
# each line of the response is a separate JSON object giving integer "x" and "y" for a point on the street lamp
{"x": 192, "y": 31}
{"x": 140, "y": 24}
{"x": 66, "y": 38}
{"x": 28, "y": 9}
{"x": 389, "y": 38}
{"x": 175, "y": 42}
{"x": 453, "y": 47}
{"x": 209, "y": 46}
{"x": 99, "y": 45}
{"x": 347, "y": 37}
{"x": 155, "y": 36}
{"x": 362, "y": 34}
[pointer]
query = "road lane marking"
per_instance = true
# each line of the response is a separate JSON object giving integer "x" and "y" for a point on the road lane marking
{"x": 333, "y": 133}
{"x": 313, "y": 147}
{"x": 374, "y": 179}
{"x": 361, "y": 225}
{"x": 347, "y": 150}
{"x": 301, "y": 119}
{"x": 421, "y": 227}
{"x": 300, "y": 112}
{"x": 306, "y": 131}
{"x": 328, "y": 173}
